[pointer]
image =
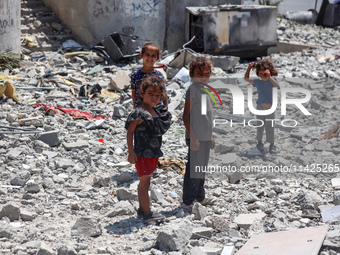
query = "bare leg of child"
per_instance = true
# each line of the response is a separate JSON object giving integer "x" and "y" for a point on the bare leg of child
{"x": 143, "y": 195}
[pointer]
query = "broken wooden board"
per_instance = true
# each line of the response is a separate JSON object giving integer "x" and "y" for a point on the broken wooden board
{"x": 306, "y": 241}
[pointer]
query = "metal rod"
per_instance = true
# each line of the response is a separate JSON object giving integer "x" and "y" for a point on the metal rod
{"x": 316, "y": 4}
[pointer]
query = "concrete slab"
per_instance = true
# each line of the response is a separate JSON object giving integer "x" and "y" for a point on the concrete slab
{"x": 286, "y": 47}
{"x": 306, "y": 241}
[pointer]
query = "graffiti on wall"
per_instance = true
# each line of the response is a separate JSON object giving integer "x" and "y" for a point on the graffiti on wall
{"x": 105, "y": 7}
{"x": 5, "y": 18}
{"x": 141, "y": 8}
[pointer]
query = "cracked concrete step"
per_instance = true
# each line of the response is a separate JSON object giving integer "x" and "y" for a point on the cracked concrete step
{"x": 43, "y": 47}
{"x": 48, "y": 38}
{"x": 46, "y": 19}
{"x": 32, "y": 3}
{"x": 32, "y": 30}
{"x": 27, "y": 11}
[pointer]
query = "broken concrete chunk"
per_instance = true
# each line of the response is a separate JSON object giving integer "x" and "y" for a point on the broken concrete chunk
{"x": 122, "y": 208}
{"x": 21, "y": 178}
{"x": 80, "y": 144}
{"x": 6, "y": 230}
{"x": 35, "y": 121}
{"x": 225, "y": 62}
{"x": 10, "y": 210}
{"x": 87, "y": 227}
{"x": 246, "y": 220}
{"x": 119, "y": 81}
{"x": 50, "y": 138}
{"x": 202, "y": 232}
{"x": 200, "y": 211}
{"x": 175, "y": 237}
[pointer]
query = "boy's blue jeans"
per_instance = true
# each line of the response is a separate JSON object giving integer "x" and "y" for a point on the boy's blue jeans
{"x": 193, "y": 185}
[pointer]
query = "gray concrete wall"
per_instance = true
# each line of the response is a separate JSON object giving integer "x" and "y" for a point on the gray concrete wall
{"x": 91, "y": 21}
{"x": 10, "y": 12}
{"x": 160, "y": 21}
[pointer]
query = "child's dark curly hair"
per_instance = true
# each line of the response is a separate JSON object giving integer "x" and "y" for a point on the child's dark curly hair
{"x": 266, "y": 64}
{"x": 199, "y": 62}
{"x": 154, "y": 81}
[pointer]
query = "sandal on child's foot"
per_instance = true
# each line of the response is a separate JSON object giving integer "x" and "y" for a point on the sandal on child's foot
{"x": 260, "y": 147}
{"x": 153, "y": 217}
{"x": 207, "y": 201}
{"x": 140, "y": 213}
{"x": 187, "y": 208}
{"x": 272, "y": 149}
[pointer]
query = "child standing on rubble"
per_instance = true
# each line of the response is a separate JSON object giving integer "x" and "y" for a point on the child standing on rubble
{"x": 265, "y": 70}
{"x": 146, "y": 125}
{"x": 149, "y": 55}
{"x": 198, "y": 134}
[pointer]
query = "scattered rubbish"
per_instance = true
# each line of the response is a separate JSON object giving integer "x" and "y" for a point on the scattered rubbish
{"x": 331, "y": 214}
{"x": 76, "y": 114}
{"x": 173, "y": 194}
{"x": 302, "y": 17}
{"x": 178, "y": 129}
{"x": 165, "y": 163}
{"x": 334, "y": 131}
{"x": 94, "y": 70}
{"x": 101, "y": 140}
{"x": 11, "y": 186}
{"x": 5, "y": 77}
{"x": 182, "y": 59}
{"x": 119, "y": 46}
{"x": 76, "y": 53}
{"x": 7, "y": 88}
{"x": 306, "y": 241}
{"x": 16, "y": 130}
{"x": 183, "y": 74}
{"x": 89, "y": 91}
{"x": 71, "y": 45}
{"x": 31, "y": 41}
{"x": 9, "y": 60}
{"x": 107, "y": 93}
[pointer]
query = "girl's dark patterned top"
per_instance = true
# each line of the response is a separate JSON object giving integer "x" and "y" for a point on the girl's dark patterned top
{"x": 148, "y": 134}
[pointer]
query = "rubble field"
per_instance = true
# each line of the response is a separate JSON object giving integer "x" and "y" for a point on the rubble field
{"x": 66, "y": 186}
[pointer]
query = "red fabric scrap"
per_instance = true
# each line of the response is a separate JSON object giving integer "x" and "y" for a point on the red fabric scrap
{"x": 76, "y": 114}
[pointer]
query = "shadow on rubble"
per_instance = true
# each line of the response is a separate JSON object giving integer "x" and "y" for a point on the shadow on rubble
{"x": 125, "y": 226}
{"x": 133, "y": 224}
{"x": 125, "y": 179}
